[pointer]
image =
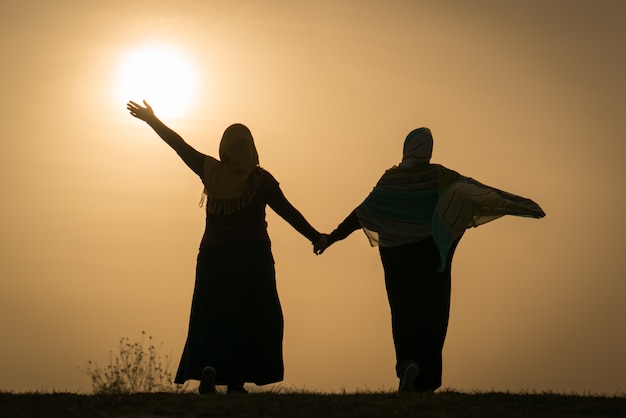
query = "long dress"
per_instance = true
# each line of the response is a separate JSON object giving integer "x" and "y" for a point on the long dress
{"x": 236, "y": 321}
{"x": 419, "y": 300}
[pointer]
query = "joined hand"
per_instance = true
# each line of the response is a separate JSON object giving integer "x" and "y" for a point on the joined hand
{"x": 322, "y": 243}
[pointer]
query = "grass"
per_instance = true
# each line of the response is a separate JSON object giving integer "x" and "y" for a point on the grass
{"x": 294, "y": 404}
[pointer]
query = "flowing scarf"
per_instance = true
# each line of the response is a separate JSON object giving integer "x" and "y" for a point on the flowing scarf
{"x": 417, "y": 200}
{"x": 231, "y": 182}
{"x": 469, "y": 204}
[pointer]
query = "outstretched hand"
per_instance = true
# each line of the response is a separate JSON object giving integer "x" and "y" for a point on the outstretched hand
{"x": 140, "y": 112}
{"x": 322, "y": 243}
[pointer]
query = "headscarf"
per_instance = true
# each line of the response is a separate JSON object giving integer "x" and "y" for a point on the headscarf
{"x": 231, "y": 182}
{"x": 418, "y": 148}
{"x": 417, "y": 200}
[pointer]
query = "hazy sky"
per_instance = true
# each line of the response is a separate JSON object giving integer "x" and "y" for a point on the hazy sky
{"x": 99, "y": 221}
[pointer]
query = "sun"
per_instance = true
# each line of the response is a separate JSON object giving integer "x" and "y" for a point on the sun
{"x": 161, "y": 75}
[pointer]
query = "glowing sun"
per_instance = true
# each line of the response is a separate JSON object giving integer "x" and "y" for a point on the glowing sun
{"x": 162, "y": 76}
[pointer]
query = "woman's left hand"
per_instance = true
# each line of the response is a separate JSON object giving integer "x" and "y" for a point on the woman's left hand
{"x": 144, "y": 113}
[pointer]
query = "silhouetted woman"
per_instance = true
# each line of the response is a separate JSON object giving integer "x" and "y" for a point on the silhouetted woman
{"x": 236, "y": 322}
{"x": 416, "y": 214}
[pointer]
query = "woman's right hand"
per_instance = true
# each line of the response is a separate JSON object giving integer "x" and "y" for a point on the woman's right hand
{"x": 144, "y": 113}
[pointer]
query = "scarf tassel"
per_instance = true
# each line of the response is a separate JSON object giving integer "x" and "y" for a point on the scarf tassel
{"x": 228, "y": 206}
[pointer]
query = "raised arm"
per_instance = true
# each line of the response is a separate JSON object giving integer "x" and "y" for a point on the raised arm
{"x": 193, "y": 158}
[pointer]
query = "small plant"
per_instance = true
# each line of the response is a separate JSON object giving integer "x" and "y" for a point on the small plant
{"x": 134, "y": 369}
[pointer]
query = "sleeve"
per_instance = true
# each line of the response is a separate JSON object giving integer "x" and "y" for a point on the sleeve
{"x": 194, "y": 159}
{"x": 347, "y": 227}
{"x": 279, "y": 204}
{"x": 190, "y": 156}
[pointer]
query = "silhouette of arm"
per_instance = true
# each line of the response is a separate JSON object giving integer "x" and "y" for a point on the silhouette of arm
{"x": 279, "y": 204}
{"x": 190, "y": 156}
{"x": 193, "y": 158}
{"x": 347, "y": 227}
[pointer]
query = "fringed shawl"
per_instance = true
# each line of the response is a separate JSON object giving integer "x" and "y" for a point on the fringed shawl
{"x": 231, "y": 182}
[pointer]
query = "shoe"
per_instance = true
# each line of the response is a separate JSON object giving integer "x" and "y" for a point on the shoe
{"x": 207, "y": 381}
{"x": 410, "y": 375}
{"x": 232, "y": 389}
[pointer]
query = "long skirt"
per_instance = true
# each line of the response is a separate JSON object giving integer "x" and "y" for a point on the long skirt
{"x": 419, "y": 298}
{"x": 236, "y": 321}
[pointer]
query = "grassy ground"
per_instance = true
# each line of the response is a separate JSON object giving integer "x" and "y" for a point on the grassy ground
{"x": 297, "y": 405}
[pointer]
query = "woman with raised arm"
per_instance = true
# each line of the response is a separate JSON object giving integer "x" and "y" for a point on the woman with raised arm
{"x": 236, "y": 322}
{"x": 416, "y": 215}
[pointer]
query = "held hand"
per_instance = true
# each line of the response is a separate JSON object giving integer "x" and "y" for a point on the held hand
{"x": 320, "y": 246}
{"x": 140, "y": 112}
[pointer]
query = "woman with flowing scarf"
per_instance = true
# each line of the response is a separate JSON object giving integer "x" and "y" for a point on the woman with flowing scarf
{"x": 236, "y": 323}
{"x": 416, "y": 214}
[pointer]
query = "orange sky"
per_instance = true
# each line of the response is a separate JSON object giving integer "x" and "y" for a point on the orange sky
{"x": 99, "y": 219}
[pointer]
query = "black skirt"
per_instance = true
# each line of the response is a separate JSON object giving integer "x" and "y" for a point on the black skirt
{"x": 419, "y": 298}
{"x": 236, "y": 321}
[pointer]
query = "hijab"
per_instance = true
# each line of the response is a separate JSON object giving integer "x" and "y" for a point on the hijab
{"x": 417, "y": 149}
{"x": 231, "y": 182}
